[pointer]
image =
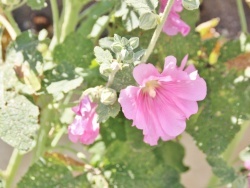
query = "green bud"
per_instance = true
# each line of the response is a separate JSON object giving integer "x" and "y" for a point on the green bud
{"x": 93, "y": 93}
{"x": 148, "y": 20}
{"x": 108, "y": 96}
{"x": 116, "y": 47}
{"x": 134, "y": 42}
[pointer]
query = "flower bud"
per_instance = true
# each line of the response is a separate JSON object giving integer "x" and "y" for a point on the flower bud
{"x": 108, "y": 96}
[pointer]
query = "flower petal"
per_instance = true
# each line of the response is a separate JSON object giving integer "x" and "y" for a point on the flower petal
{"x": 193, "y": 90}
{"x": 142, "y": 72}
{"x": 128, "y": 100}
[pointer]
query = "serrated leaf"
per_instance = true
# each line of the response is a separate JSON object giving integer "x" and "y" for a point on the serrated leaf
{"x": 75, "y": 50}
{"x": 36, "y": 4}
{"x": 123, "y": 79}
{"x": 103, "y": 56}
{"x": 99, "y": 26}
{"x": 49, "y": 173}
{"x": 138, "y": 169}
{"x": 148, "y": 21}
{"x": 18, "y": 121}
{"x": 143, "y": 6}
{"x": 221, "y": 169}
{"x": 26, "y": 43}
{"x": 106, "y": 111}
{"x": 58, "y": 89}
{"x": 131, "y": 21}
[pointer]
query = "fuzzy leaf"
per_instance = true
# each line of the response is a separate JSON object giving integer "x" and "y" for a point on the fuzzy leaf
{"x": 143, "y": 6}
{"x": 103, "y": 56}
{"x": 18, "y": 121}
{"x": 106, "y": 111}
{"x": 75, "y": 50}
{"x": 50, "y": 173}
{"x": 58, "y": 89}
{"x": 123, "y": 79}
{"x": 36, "y": 4}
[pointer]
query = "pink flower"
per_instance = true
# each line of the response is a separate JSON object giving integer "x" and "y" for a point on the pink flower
{"x": 174, "y": 24}
{"x": 163, "y": 101}
{"x": 84, "y": 128}
{"x": 247, "y": 164}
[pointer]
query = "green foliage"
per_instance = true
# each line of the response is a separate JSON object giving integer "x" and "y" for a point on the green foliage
{"x": 221, "y": 169}
{"x": 18, "y": 121}
{"x": 26, "y": 43}
{"x": 75, "y": 50}
{"x": 123, "y": 78}
{"x": 103, "y": 56}
{"x": 49, "y": 173}
{"x": 106, "y": 111}
{"x": 36, "y": 4}
{"x": 58, "y": 89}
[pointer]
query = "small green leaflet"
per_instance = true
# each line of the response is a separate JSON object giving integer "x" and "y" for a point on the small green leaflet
{"x": 191, "y": 4}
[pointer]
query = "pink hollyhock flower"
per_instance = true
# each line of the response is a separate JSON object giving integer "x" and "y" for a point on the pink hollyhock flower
{"x": 247, "y": 164}
{"x": 84, "y": 128}
{"x": 163, "y": 101}
{"x": 174, "y": 24}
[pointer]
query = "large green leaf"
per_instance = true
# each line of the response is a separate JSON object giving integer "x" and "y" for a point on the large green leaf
{"x": 138, "y": 169}
{"x": 75, "y": 50}
{"x": 18, "y": 121}
{"x": 49, "y": 173}
{"x": 36, "y": 4}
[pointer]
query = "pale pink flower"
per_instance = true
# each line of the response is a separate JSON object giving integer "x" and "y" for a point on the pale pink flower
{"x": 247, "y": 164}
{"x": 84, "y": 128}
{"x": 174, "y": 24}
{"x": 163, "y": 101}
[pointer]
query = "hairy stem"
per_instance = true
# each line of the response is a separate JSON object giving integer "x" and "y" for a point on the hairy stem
{"x": 12, "y": 167}
{"x": 242, "y": 16}
{"x": 157, "y": 32}
{"x": 71, "y": 11}
{"x": 55, "y": 15}
{"x": 12, "y": 22}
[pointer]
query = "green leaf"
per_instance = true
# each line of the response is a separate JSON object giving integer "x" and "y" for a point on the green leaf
{"x": 172, "y": 153}
{"x": 241, "y": 182}
{"x": 103, "y": 56}
{"x": 26, "y": 43}
{"x": 138, "y": 169}
{"x": 99, "y": 26}
{"x": 221, "y": 169}
{"x": 106, "y": 111}
{"x": 36, "y": 4}
{"x": 143, "y": 6}
{"x": 58, "y": 89}
{"x": 49, "y": 173}
{"x": 191, "y": 4}
{"x": 123, "y": 78}
{"x": 75, "y": 50}
{"x": 148, "y": 21}
{"x": 18, "y": 121}
{"x": 130, "y": 19}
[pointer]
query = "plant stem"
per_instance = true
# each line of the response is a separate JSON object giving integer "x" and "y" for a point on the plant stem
{"x": 71, "y": 11}
{"x": 158, "y": 31}
{"x": 12, "y": 167}
{"x": 58, "y": 136}
{"x": 12, "y": 22}
{"x": 55, "y": 14}
{"x": 242, "y": 16}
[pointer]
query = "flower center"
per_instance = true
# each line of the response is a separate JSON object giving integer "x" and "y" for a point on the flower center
{"x": 150, "y": 87}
